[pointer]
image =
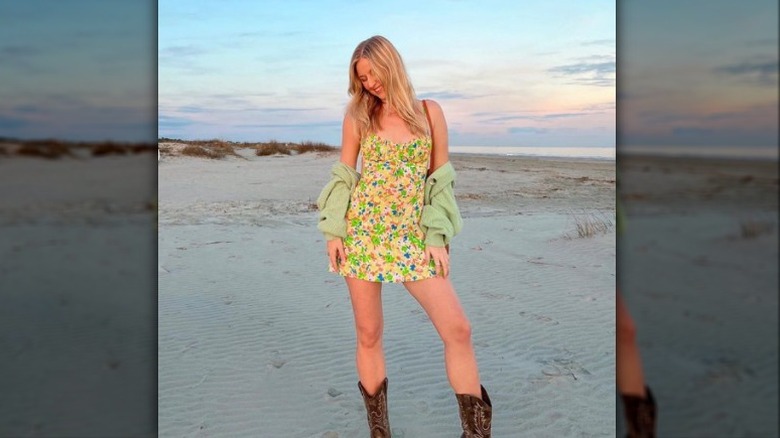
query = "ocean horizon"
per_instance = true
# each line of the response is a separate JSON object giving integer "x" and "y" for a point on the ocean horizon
{"x": 602, "y": 153}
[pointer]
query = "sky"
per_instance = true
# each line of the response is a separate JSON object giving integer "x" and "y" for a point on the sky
{"x": 693, "y": 74}
{"x": 78, "y": 70}
{"x": 698, "y": 73}
{"x": 506, "y": 73}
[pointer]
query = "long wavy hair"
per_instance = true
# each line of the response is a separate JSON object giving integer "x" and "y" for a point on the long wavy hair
{"x": 387, "y": 65}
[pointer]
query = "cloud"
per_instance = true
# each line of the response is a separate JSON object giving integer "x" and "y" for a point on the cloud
{"x": 527, "y": 130}
{"x": 10, "y": 53}
{"x": 600, "y": 74}
{"x": 762, "y": 42}
{"x": 243, "y": 107}
{"x": 599, "y": 107}
{"x": 603, "y": 42}
{"x": 181, "y": 51}
{"x": 691, "y": 131}
{"x": 598, "y": 68}
{"x": 168, "y": 122}
{"x": 184, "y": 57}
{"x": 533, "y": 117}
{"x": 191, "y": 109}
{"x": 753, "y": 125}
{"x": 758, "y": 72}
{"x": 444, "y": 95}
{"x": 325, "y": 124}
{"x": 12, "y": 123}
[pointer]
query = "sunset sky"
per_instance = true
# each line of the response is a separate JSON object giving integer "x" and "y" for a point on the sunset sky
{"x": 78, "y": 69}
{"x": 698, "y": 74}
{"x": 512, "y": 73}
{"x": 690, "y": 74}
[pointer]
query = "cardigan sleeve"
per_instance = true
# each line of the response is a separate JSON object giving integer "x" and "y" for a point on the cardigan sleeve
{"x": 333, "y": 201}
{"x": 441, "y": 219}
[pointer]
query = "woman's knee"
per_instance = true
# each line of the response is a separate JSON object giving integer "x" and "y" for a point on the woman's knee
{"x": 458, "y": 332}
{"x": 369, "y": 335}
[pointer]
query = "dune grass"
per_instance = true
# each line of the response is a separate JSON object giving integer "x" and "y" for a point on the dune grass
{"x": 591, "y": 224}
{"x": 51, "y": 151}
{"x": 750, "y": 229}
{"x": 54, "y": 149}
{"x": 217, "y": 149}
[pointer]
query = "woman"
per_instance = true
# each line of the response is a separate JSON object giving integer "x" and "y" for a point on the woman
{"x": 393, "y": 224}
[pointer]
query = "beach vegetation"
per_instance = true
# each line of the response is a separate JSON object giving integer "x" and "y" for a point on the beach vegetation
{"x": 750, "y": 229}
{"x": 590, "y": 224}
{"x": 220, "y": 148}
{"x": 194, "y": 150}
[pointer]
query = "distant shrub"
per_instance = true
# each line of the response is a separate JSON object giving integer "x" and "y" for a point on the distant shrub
{"x": 141, "y": 148}
{"x": 750, "y": 229}
{"x": 108, "y": 148}
{"x": 42, "y": 149}
{"x": 310, "y": 146}
{"x": 592, "y": 224}
{"x": 199, "y": 151}
{"x": 272, "y": 147}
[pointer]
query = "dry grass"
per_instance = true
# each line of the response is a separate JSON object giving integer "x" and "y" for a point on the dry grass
{"x": 44, "y": 149}
{"x": 310, "y": 146}
{"x": 274, "y": 147}
{"x": 107, "y": 148}
{"x": 592, "y": 224}
{"x": 141, "y": 148}
{"x": 750, "y": 229}
{"x": 220, "y": 148}
{"x": 54, "y": 149}
{"x": 202, "y": 152}
{"x": 271, "y": 148}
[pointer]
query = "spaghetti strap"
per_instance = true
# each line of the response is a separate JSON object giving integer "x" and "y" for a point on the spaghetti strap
{"x": 430, "y": 132}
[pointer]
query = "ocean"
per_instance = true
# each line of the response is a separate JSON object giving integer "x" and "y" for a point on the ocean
{"x": 554, "y": 152}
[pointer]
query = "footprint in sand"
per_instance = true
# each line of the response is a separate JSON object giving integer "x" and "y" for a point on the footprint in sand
{"x": 495, "y": 296}
{"x": 541, "y": 318}
{"x": 563, "y": 368}
{"x": 278, "y": 361}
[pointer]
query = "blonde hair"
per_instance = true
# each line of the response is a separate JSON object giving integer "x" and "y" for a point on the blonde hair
{"x": 387, "y": 65}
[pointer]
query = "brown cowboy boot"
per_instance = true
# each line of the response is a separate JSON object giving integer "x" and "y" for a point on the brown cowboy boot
{"x": 475, "y": 415}
{"x": 376, "y": 410}
{"x": 640, "y": 415}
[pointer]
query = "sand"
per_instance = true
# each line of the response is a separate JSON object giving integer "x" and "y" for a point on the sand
{"x": 77, "y": 282}
{"x": 256, "y": 338}
{"x": 698, "y": 267}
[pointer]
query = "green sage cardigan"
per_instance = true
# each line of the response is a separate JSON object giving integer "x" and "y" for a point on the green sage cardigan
{"x": 440, "y": 219}
{"x": 333, "y": 201}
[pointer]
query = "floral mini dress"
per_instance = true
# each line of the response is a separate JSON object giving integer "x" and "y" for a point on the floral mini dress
{"x": 384, "y": 240}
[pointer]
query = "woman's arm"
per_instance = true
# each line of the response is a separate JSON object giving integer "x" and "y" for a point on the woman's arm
{"x": 350, "y": 143}
{"x": 440, "y": 153}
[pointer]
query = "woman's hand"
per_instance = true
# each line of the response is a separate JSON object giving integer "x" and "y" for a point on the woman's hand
{"x": 440, "y": 257}
{"x": 336, "y": 253}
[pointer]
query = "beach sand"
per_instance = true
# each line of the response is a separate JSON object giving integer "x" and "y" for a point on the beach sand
{"x": 698, "y": 269}
{"x": 77, "y": 282}
{"x": 256, "y": 338}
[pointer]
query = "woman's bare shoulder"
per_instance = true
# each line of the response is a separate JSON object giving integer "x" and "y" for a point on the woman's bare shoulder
{"x": 434, "y": 109}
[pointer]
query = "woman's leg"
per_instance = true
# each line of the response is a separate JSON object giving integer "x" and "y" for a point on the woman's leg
{"x": 366, "y": 297}
{"x": 437, "y": 297}
{"x": 630, "y": 379}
